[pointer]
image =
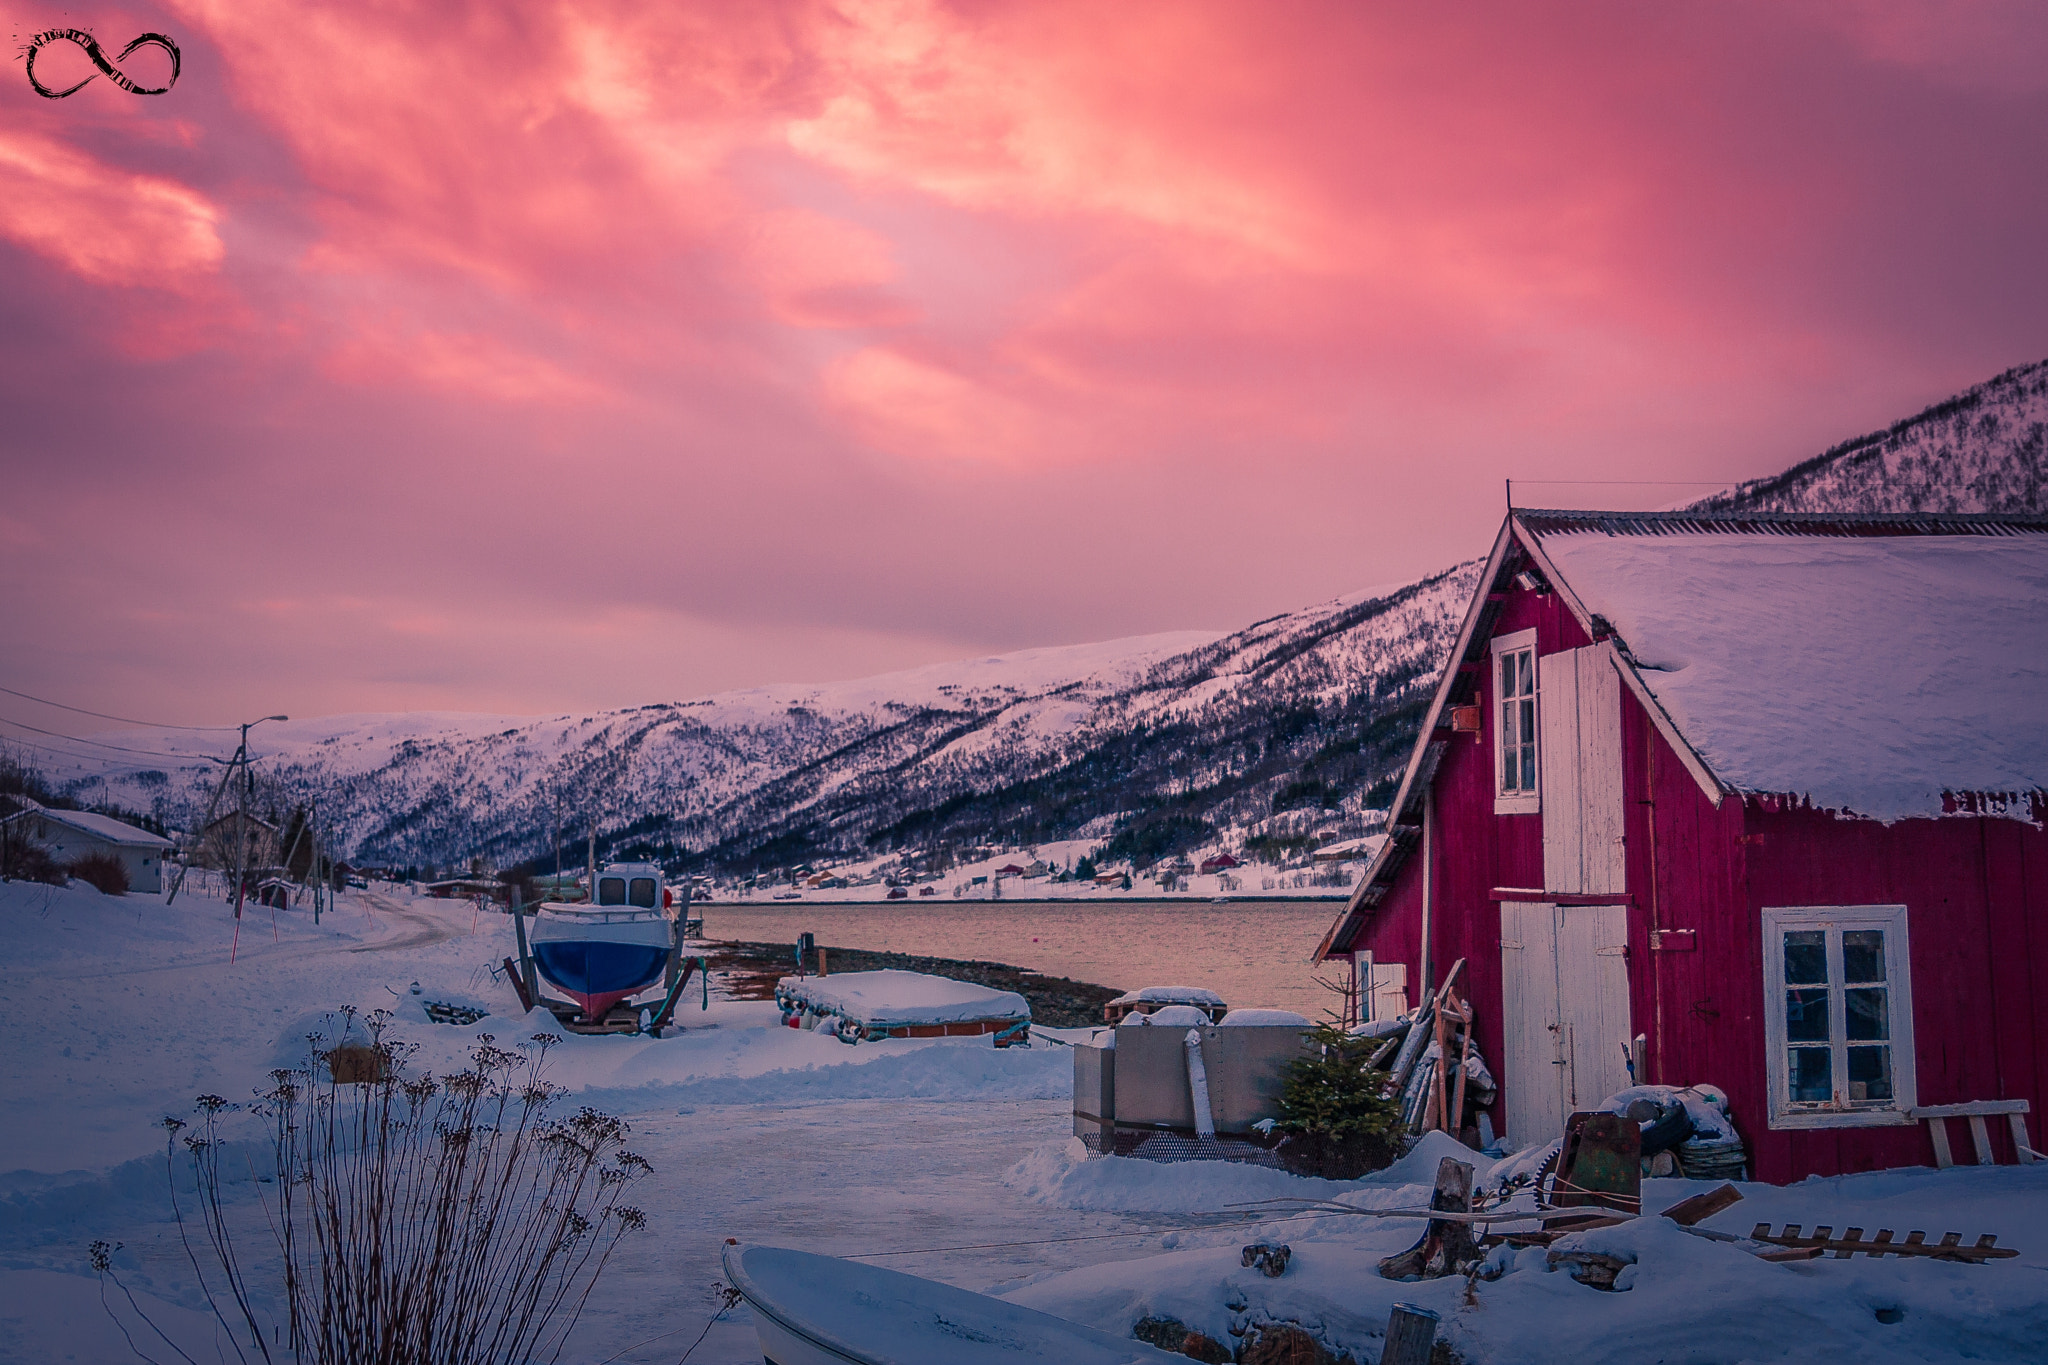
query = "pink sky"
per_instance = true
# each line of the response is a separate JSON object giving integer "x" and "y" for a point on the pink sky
{"x": 531, "y": 358}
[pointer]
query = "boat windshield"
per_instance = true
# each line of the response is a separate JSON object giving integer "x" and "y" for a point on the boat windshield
{"x": 643, "y": 892}
{"x": 611, "y": 890}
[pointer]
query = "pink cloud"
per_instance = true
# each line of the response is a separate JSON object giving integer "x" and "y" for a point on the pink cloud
{"x": 913, "y": 326}
{"x": 105, "y": 225}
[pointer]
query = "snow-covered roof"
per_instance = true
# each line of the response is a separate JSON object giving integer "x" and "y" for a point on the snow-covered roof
{"x": 101, "y": 827}
{"x": 897, "y": 997}
{"x": 1870, "y": 672}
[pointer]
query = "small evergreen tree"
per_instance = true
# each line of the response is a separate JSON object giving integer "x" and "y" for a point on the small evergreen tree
{"x": 1338, "y": 1122}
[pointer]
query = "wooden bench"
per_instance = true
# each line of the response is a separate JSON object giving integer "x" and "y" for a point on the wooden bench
{"x": 1938, "y": 1115}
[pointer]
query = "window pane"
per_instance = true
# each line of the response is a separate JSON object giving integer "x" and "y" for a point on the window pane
{"x": 643, "y": 892}
{"x": 1806, "y": 957}
{"x": 1812, "y": 1075}
{"x": 1528, "y": 671}
{"x": 1507, "y": 746}
{"x": 1806, "y": 1015}
{"x": 1528, "y": 767}
{"x": 1862, "y": 955}
{"x": 1870, "y": 1073}
{"x": 1868, "y": 1018}
{"x": 611, "y": 890}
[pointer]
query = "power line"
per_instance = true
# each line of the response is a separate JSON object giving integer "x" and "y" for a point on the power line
{"x": 75, "y": 739}
{"x": 104, "y": 716}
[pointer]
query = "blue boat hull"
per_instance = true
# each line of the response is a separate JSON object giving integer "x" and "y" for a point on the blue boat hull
{"x": 599, "y": 974}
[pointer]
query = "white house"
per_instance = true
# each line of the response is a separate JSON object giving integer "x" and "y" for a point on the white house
{"x": 72, "y": 834}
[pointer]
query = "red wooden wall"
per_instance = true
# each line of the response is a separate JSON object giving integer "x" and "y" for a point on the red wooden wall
{"x": 1976, "y": 889}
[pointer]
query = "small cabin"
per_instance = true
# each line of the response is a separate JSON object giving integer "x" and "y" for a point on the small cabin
{"x": 1757, "y": 800}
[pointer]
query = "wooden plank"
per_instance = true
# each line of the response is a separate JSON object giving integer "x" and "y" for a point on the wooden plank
{"x": 2019, "y": 1139}
{"x": 1977, "y": 1107}
{"x": 1700, "y": 1207}
{"x": 1602, "y": 797}
{"x": 1792, "y": 1254}
{"x": 1558, "y": 764}
{"x": 1937, "y": 1128}
{"x": 1980, "y": 1137}
{"x": 2016, "y": 941}
{"x": 1531, "y": 1091}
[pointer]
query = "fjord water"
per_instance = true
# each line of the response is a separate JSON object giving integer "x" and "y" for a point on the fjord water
{"x": 1251, "y": 952}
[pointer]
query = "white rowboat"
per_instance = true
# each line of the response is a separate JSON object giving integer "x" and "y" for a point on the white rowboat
{"x": 820, "y": 1310}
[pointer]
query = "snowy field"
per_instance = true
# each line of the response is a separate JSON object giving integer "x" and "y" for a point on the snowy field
{"x": 943, "y": 1158}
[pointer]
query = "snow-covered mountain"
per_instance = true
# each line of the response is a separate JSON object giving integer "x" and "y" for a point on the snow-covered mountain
{"x": 1293, "y": 726}
{"x": 1980, "y": 451}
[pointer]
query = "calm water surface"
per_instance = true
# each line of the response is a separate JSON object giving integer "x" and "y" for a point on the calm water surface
{"x": 1252, "y": 953}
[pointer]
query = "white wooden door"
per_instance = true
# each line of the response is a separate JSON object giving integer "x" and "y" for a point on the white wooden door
{"x": 1592, "y": 994}
{"x": 1531, "y": 1078}
{"x": 1564, "y": 969}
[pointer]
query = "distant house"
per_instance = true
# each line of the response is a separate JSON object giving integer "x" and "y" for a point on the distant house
{"x": 68, "y": 835}
{"x": 1347, "y": 850}
{"x": 1221, "y": 862}
{"x": 1009, "y": 870}
{"x": 1755, "y": 800}
{"x": 464, "y": 888}
{"x": 239, "y": 838}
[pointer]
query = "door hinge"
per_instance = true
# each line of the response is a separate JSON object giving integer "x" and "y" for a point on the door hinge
{"x": 1616, "y": 950}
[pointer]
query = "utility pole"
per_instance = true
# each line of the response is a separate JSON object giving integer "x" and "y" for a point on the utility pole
{"x": 313, "y": 828}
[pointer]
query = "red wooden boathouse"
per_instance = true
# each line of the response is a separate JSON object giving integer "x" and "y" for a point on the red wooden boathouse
{"x": 1756, "y": 799}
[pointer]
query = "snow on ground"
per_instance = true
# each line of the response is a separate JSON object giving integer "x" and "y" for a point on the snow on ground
{"x": 946, "y": 1158}
{"x": 1689, "y": 1299}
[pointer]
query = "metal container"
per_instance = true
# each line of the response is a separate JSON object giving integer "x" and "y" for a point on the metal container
{"x": 1246, "y": 1067}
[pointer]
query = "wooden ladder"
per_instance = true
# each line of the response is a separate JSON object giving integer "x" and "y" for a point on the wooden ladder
{"x": 1938, "y": 1115}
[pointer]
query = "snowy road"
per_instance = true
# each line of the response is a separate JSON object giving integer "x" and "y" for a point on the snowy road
{"x": 427, "y": 928}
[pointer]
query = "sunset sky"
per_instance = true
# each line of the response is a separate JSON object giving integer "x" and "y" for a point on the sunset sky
{"x": 540, "y": 357}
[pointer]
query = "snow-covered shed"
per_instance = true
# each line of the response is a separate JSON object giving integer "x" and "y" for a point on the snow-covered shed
{"x": 1753, "y": 799}
{"x": 68, "y": 835}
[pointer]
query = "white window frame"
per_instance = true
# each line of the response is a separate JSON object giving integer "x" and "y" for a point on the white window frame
{"x": 1784, "y": 1113}
{"x": 1515, "y": 802}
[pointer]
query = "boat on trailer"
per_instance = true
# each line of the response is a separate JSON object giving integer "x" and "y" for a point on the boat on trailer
{"x": 603, "y": 951}
{"x": 820, "y": 1310}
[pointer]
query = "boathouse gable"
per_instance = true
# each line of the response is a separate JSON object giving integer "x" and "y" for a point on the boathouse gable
{"x": 1638, "y": 909}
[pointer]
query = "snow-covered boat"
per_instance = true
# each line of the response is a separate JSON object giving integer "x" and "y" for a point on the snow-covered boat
{"x": 819, "y": 1310}
{"x": 611, "y": 947}
{"x": 894, "y": 1004}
